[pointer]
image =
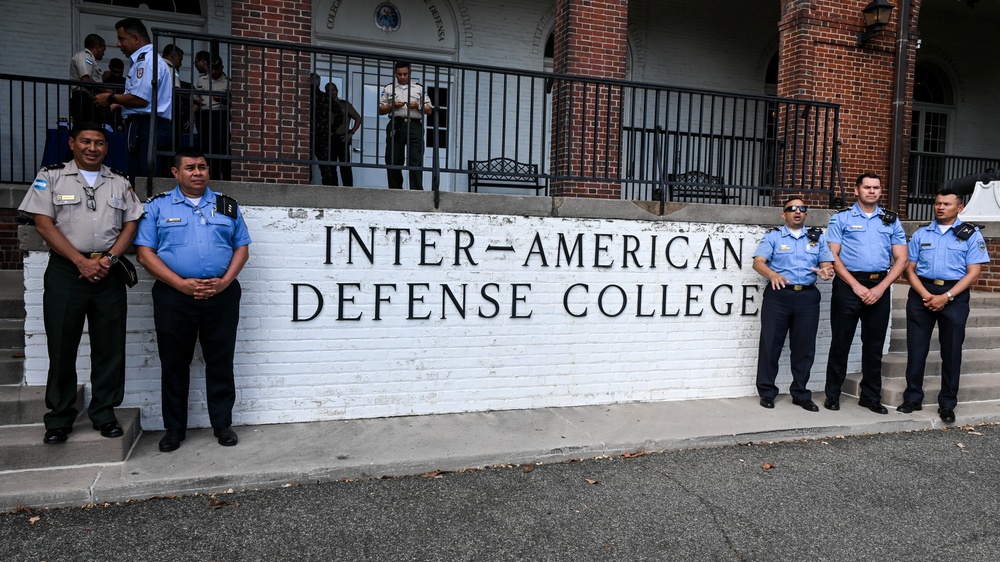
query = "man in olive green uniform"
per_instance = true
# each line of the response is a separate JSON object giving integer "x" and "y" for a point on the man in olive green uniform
{"x": 87, "y": 215}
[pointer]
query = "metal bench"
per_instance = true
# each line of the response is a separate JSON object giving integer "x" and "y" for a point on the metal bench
{"x": 694, "y": 187}
{"x": 505, "y": 173}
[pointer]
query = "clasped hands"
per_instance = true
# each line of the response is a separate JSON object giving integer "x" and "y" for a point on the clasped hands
{"x": 202, "y": 289}
{"x": 94, "y": 270}
{"x": 779, "y": 281}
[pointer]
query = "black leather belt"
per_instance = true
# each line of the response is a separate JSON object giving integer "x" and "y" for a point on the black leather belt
{"x": 790, "y": 287}
{"x": 869, "y": 275}
{"x": 938, "y": 282}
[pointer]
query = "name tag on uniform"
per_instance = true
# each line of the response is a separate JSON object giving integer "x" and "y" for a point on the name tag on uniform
{"x": 174, "y": 220}
{"x": 66, "y": 198}
{"x": 784, "y": 247}
{"x": 857, "y": 226}
{"x": 926, "y": 245}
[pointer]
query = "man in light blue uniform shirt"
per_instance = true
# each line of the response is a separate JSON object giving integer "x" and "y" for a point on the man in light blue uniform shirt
{"x": 946, "y": 258}
{"x": 195, "y": 243}
{"x": 869, "y": 252}
{"x": 136, "y": 102}
{"x": 790, "y": 258}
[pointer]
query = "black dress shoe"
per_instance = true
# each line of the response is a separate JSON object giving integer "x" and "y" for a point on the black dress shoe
{"x": 110, "y": 429}
{"x": 56, "y": 435}
{"x": 806, "y": 405}
{"x": 947, "y": 415}
{"x": 171, "y": 441}
{"x": 767, "y": 402}
{"x": 831, "y": 404}
{"x": 227, "y": 437}
{"x": 908, "y": 407}
{"x": 873, "y": 405}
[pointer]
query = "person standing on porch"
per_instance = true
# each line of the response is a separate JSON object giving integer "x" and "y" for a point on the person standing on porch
{"x": 869, "y": 252}
{"x": 406, "y": 103}
{"x": 946, "y": 258}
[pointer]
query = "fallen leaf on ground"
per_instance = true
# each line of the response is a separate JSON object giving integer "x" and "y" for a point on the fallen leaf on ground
{"x": 961, "y": 445}
{"x": 34, "y": 519}
{"x": 631, "y": 455}
{"x": 433, "y": 474}
{"x": 529, "y": 467}
{"x": 22, "y": 509}
{"x": 767, "y": 466}
{"x": 217, "y": 504}
{"x": 591, "y": 482}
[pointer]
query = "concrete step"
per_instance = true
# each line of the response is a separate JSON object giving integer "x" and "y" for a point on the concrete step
{"x": 11, "y": 366}
{"x": 23, "y": 448}
{"x": 11, "y": 332}
{"x": 978, "y": 318}
{"x": 974, "y": 361}
{"x": 12, "y": 307}
{"x": 20, "y": 404}
{"x": 972, "y": 388}
{"x": 975, "y": 338}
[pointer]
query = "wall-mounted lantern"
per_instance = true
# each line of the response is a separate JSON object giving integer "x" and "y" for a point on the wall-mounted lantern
{"x": 876, "y": 15}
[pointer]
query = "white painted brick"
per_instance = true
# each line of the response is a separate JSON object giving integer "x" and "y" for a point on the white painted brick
{"x": 328, "y": 369}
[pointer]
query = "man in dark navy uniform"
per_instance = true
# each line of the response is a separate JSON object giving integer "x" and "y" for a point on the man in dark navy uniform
{"x": 946, "y": 258}
{"x": 869, "y": 253}
{"x": 791, "y": 258}
{"x": 195, "y": 243}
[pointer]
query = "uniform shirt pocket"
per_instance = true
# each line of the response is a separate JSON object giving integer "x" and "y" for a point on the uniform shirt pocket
{"x": 117, "y": 202}
{"x": 68, "y": 207}
{"x": 223, "y": 229}
{"x": 174, "y": 232}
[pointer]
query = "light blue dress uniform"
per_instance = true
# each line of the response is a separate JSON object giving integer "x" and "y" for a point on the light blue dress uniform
{"x": 792, "y": 311}
{"x": 140, "y": 83}
{"x": 194, "y": 242}
{"x": 942, "y": 259}
{"x": 865, "y": 243}
{"x": 793, "y": 257}
{"x": 945, "y": 256}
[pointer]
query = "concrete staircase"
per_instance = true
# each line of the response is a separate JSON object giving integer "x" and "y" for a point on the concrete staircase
{"x": 22, "y": 406}
{"x": 980, "y": 357}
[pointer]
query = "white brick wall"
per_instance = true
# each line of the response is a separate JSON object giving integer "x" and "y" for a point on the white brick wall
{"x": 338, "y": 369}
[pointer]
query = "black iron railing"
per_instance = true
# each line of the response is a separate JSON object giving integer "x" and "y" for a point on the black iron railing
{"x": 928, "y": 172}
{"x": 647, "y": 141}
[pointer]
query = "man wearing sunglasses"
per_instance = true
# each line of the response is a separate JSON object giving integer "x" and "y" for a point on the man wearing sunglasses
{"x": 87, "y": 214}
{"x": 791, "y": 258}
{"x": 869, "y": 253}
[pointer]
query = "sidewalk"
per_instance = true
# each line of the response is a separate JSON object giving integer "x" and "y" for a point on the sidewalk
{"x": 275, "y": 455}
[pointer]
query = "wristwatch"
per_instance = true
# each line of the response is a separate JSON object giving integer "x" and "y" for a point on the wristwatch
{"x": 951, "y": 297}
{"x": 111, "y": 98}
{"x": 111, "y": 257}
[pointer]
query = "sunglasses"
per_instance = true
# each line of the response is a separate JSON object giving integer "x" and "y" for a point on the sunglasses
{"x": 792, "y": 208}
{"x": 91, "y": 204}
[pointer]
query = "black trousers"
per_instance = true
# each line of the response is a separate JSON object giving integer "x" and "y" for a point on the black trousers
{"x": 787, "y": 312}
{"x": 920, "y": 322}
{"x": 138, "y": 146}
{"x": 846, "y": 309}
{"x": 67, "y": 301}
{"x": 339, "y": 152}
{"x": 213, "y": 138}
{"x": 180, "y": 320}
{"x": 404, "y": 142}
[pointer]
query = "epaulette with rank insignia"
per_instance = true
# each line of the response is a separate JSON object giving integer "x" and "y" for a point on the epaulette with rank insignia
{"x": 966, "y": 230}
{"x": 226, "y": 205}
{"x": 814, "y": 233}
{"x": 774, "y": 229}
{"x": 58, "y": 166}
{"x": 889, "y": 217}
{"x": 158, "y": 195}
{"x": 118, "y": 172}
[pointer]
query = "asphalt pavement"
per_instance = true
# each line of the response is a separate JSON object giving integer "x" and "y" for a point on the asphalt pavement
{"x": 912, "y": 495}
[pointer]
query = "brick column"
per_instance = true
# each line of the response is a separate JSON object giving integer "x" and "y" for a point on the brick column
{"x": 820, "y": 60}
{"x": 270, "y": 111}
{"x": 589, "y": 40}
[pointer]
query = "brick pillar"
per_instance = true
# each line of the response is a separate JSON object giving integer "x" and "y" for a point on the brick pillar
{"x": 589, "y": 40}
{"x": 270, "y": 111}
{"x": 820, "y": 60}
